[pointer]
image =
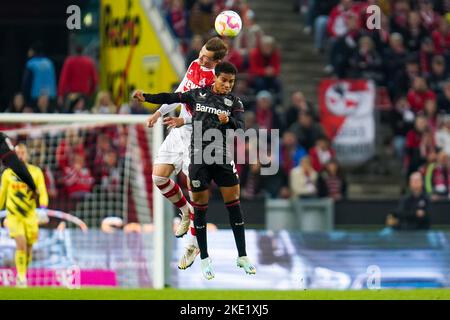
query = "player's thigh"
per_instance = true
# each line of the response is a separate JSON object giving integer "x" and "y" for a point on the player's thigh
{"x": 170, "y": 155}
{"x": 226, "y": 177}
{"x": 163, "y": 169}
{"x": 31, "y": 229}
{"x": 199, "y": 177}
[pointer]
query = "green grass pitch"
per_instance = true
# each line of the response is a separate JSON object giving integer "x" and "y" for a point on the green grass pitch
{"x": 175, "y": 294}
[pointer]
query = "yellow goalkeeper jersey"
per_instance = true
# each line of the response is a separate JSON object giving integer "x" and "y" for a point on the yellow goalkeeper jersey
{"x": 16, "y": 196}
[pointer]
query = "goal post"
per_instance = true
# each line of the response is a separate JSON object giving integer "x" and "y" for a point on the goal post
{"x": 98, "y": 169}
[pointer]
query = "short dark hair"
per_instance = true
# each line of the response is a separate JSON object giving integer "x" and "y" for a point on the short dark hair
{"x": 217, "y": 46}
{"x": 225, "y": 67}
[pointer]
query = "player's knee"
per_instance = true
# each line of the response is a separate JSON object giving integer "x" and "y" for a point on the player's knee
{"x": 159, "y": 181}
{"x": 21, "y": 243}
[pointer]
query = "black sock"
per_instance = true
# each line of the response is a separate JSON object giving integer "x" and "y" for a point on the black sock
{"x": 237, "y": 225}
{"x": 200, "y": 228}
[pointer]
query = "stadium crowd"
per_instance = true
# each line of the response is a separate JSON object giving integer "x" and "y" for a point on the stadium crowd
{"x": 409, "y": 60}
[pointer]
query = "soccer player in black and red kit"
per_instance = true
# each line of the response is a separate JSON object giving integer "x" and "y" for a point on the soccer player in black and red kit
{"x": 212, "y": 108}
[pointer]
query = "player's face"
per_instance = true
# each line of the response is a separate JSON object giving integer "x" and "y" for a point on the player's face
{"x": 224, "y": 83}
{"x": 206, "y": 58}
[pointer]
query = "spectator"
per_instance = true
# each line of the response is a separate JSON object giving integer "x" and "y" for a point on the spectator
{"x": 430, "y": 113}
{"x": 133, "y": 107}
{"x": 43, "y": 105}
{"x": 413, "y": 211}
{"x": 78, "y": 75}
{"x": 249, "y": 37}
{"x": 194, "y": 50}
{"x": 399, "y": 17}
{"x": 366, "y": 62}
{"x": 394, "y": 58}
{"x": 402, "y": 120}
{"x": 200, "y": 19}
{"x": 331, "y": 182}
{"x": 337, "y": 25}
{"x": 250, "y": 120}
{"x": 102, "y": 147}
{"x": 438, "y": 75}
{"x": 245, "y": 93}
{"x": 441, "y": 178}
{"x": 443, "y": 135}
{"x": 234, "y": 56}
{"x": 427, "y": 170}
{"x": 321, "y": 154}
{"x": 39, "y": 77}
{"x": 17, "y": 103}
{"x": 322, "y": 13}
{"x": 430, "y": 19}
{"x": 343, "y": 46}
{"x": 77, "y": 103}
{"x": 441, "y": 37}
{"x": 176, "y": 17}
{"x": 405, "y": 78}
{"x": 70, "y": 145}
{"x": 276, "y": 185}
{"x": 265, "y": 66}
{"x": 78, "y": 179}
{"x": 426, "y": 55}
{"x": 298, "y": 104}
{"x": 290, "y": 152}
{"x": 303, "y": 180}
{"x": 444, "y": 99}
{"x": 110, "y": 172}
{"x": 415, "y": 32}
{"x": 104, "y": 103}
{"x": 251, "y": 181}
{"x": 415, "y": 144}
{"x": 266, "y": 117}
{"x": 306, "y": 130}
{"x": 418, "y": 94}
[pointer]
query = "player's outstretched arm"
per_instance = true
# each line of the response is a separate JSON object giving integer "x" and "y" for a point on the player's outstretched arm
{"x": 159, "y": 98}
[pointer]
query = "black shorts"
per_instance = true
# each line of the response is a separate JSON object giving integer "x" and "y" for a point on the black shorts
{"x": 224, "y": 175}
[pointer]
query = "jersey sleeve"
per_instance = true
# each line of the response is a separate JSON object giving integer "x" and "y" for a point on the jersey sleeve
{"x": 40, "y": 184}
{"x": 4, "y": 187}
{"x": 160, "y": 98}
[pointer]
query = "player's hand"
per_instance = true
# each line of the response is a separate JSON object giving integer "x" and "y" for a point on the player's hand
{"x": 139, "y": 95}
{"x": 153, "y": 118}
{"x": 173, "y": 122}
{"x": 223, "y": 118}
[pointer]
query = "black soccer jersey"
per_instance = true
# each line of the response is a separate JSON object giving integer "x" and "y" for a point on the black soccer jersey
{"x": 205, "y": 107}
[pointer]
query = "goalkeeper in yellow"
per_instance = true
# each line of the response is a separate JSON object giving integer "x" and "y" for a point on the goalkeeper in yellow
{"x": 22, "y": 220}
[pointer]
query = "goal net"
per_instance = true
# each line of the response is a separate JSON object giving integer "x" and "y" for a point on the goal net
{"x": 100, "y": 228}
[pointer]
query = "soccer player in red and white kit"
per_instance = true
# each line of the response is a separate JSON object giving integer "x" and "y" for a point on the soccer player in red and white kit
{"x": 173, "y": 155}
